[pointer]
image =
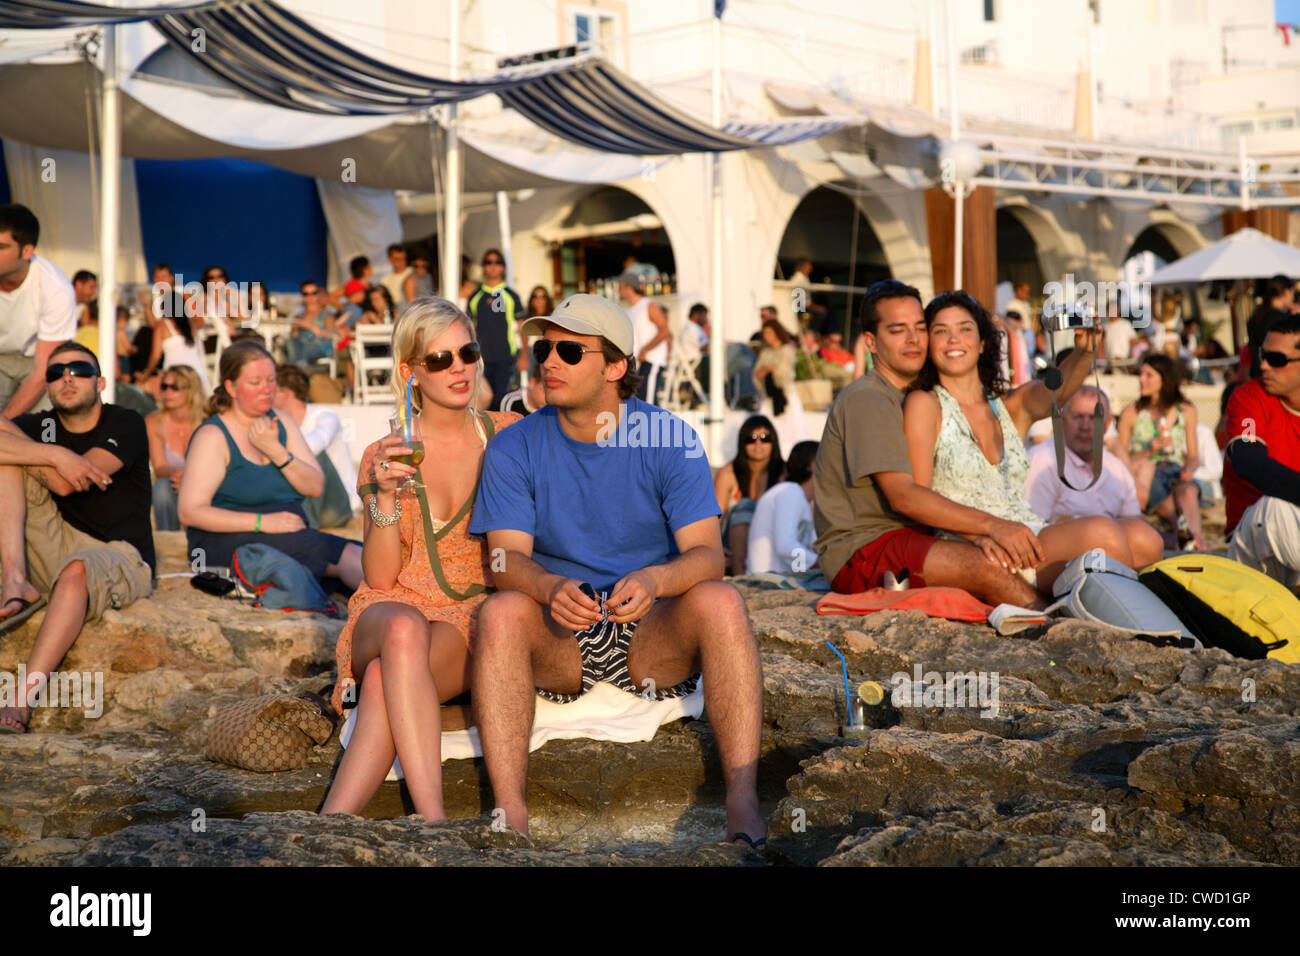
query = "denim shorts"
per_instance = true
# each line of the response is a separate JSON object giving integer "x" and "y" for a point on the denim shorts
{"x": 1168, "y": 474}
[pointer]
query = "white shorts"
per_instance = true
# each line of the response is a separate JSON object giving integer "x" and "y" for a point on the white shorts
{"x": 1267, "y": 538}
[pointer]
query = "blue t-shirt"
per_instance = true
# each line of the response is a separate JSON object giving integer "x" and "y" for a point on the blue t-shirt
{"x": 597, "y": 511}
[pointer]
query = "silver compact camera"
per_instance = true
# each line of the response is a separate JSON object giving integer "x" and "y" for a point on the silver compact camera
{"x": 1067, "y": 318}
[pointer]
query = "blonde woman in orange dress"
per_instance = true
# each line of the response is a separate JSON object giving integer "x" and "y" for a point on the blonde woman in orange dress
{"x": 405, "y": 649}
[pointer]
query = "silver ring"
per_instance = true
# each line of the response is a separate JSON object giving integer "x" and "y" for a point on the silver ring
{"x": 383, "y": 465}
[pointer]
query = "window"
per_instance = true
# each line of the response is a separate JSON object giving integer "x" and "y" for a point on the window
{"x": 1276, "y": 122}
{"x": 594, "y": 29}
{"x": 990, "y": 11}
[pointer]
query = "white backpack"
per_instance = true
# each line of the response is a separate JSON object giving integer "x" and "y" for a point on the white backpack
{"x": 1095, "y": 587}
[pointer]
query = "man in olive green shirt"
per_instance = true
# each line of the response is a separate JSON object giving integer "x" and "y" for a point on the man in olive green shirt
{"x": 870, "y": 516}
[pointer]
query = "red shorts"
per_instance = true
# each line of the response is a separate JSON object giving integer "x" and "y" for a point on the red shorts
{"x": 903, "y": 548}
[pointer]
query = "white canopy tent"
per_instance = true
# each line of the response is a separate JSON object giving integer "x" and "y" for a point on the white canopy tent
{"x": 1245, "y": 254}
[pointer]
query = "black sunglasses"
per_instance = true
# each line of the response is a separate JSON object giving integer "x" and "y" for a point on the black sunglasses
{"x": 1277, "y": 359}
{"x": 494, "y": 262}
{"x": 764, "y": 437}
{"x": 570, "y": 352}
{"x": 79, "y": 369}
{"x": 441, "y": 361}
{"x": 171, "y": 387}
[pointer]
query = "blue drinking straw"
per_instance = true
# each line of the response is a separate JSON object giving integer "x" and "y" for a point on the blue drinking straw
{"x": 407, "y": 430}
{"x": 848, "y": 704}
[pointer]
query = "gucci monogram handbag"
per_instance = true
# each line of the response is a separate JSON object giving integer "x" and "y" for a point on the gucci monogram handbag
{"x": 273, "y": 732}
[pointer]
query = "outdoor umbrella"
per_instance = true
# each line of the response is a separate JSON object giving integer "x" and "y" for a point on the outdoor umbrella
{"x": 1246, "y": 254}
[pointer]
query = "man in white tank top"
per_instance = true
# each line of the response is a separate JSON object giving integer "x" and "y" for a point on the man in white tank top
{"x": 650, "y": 336}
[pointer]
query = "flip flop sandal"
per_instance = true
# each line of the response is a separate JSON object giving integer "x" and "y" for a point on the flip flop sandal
{"x": 26, "y": 609}
{"x": 759, "y": 845}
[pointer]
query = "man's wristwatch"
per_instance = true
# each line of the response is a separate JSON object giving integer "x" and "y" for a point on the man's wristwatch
{"x": 380, "y": 519}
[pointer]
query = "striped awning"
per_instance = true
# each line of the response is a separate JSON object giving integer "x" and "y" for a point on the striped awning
{"x": 279, "y": 58}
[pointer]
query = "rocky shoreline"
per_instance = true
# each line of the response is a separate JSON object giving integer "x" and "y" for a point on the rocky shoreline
{"x": 1101, "y": 751}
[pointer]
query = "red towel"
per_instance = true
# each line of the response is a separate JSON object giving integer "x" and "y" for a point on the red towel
{"x": 951, "y": 603}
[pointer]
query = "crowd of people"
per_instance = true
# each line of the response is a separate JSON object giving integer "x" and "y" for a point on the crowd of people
{"x": 510, "y": 570}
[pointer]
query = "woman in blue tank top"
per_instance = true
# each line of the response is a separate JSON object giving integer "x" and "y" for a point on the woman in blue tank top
{"x": 247, "y": 472}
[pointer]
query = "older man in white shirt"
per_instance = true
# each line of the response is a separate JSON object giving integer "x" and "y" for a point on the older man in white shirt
{"x": 1113, "y": 496}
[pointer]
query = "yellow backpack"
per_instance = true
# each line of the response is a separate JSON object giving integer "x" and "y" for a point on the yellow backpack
{"x": 1229, "y": 605}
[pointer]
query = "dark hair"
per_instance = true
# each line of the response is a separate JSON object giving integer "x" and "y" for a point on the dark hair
{"x": 877, "y": 292}
{"x": 1171, "y": 395}
{"x": 419, "y": 252}
{"x": 235, "y": 356}
{"x": 798, "y": 467}
{"x": 383, "y": 291}
{"x": 162, "y": 265}
{"x": 494, "y": 252}
{"x": 550, "y": 303}
{"x": 740, "y": 464}
{"x": 782, "y": 336}
{"x": 696, "y": 309}
{"x": 1285, "y": 323}
{"x": 394, "y": 247}
{"x": 294, "y": 379}
{"x": 1277, "y": 286}
{"x": 308, "y": 282}
{"x": 989, "y": 364}
{"x": 72, "y": 345}
{"x": 357, "y": 266}
{"x": 82, "y": 275}
{"x": 220, "y": 269}
{"x": 631, "y": 380}
{"x": 21, "y": 223}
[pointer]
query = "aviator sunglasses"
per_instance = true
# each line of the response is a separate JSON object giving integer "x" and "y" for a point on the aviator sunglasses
{"x": 440, "y": 361}
{"x": 81, "y": 369}
{"x": 1277, "y": 359}
{"x": 570, "y": 352}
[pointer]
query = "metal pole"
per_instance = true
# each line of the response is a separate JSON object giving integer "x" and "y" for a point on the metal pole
{"x": 503, "y": 227}
{"x": 451, "y": 195}
{"x": 959, "y": 190}
{"x": 110, "y": 147}
{"x": 934, "y": 59}
{"x": 718, "y": 324}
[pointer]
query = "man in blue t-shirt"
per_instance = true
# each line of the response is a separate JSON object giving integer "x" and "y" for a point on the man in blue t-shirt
{"x": 602, "y": 526}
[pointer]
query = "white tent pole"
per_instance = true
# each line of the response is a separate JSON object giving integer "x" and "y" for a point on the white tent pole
{"x": 717, "y": 324}
{"x": 110, "y": 148}
{"x": 934, "y": 57}
{"x": 503, "y": 226}
{"x": 452, "y": 197}
{"x": 954, "y": 124}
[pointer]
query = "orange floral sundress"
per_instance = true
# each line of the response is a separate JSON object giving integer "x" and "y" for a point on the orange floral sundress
{"x": 444, "y": 569}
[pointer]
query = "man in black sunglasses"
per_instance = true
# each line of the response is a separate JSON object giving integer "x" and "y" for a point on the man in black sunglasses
{"x": 1261, "y": 470}
{"x": 38, "y": 310}
{"x": 89, "y": 542}
{"x": 497, "y": 311}
{"x": 608, "y": 558}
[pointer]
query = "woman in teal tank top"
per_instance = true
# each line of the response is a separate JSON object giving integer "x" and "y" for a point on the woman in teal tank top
{"x": 247, "y": 472}
{"x": 966, "y": 432}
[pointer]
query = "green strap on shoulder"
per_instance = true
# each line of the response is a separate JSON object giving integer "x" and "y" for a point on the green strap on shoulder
{"x": 431, "y": 537}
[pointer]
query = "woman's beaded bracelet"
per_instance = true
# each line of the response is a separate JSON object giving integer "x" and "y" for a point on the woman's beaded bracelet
{"x": 380, "y": 519}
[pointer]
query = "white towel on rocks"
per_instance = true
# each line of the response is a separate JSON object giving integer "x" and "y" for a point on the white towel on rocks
{"x": 603, "y": 713}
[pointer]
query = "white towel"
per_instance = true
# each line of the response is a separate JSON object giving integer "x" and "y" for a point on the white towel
{"x": 603, "y": 713}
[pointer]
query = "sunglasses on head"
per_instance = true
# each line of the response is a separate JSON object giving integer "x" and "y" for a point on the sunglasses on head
{"x": 441, "y": 361}
{"x": 79, "y": 369}
{"x": 764, "y": 437}
{"x": 570, "y": 352}
{"x": 1277, "y": 359}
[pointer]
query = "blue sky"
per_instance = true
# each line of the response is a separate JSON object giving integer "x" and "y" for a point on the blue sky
{"x": 1286, "y": 11}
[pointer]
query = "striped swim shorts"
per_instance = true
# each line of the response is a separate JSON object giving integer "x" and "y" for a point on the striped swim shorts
{"x": 603, "y": 647}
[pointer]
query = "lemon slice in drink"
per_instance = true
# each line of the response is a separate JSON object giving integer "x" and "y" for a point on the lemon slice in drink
{"x": 871, "y": 693}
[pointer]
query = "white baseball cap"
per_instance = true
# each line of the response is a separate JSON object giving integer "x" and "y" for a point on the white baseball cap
{"x": 587, "y": 315}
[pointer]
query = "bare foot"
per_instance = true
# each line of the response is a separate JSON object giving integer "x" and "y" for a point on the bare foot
{"x": 16, "y": 591}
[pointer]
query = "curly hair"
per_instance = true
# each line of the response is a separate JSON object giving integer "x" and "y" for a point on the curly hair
{"x": 989, "y": 364}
